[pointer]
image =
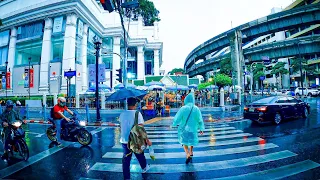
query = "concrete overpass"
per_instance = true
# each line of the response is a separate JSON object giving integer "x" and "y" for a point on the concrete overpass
{"x": 305, "y": 15}
{"x": 275, "y": 50}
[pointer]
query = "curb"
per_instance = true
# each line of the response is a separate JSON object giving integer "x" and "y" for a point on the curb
{"x": 88, "y": 124}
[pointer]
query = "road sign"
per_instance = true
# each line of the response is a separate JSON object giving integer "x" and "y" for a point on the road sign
{"x": 262, "y": 78}
{"x": 101, "y": 74}
{"x": 266, "y": 60}
{"x": 70, "y": 74}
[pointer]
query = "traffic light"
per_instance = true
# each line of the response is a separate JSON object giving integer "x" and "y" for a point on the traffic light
{"x": 119, "y": 74}
{"x": 107, "y": 5}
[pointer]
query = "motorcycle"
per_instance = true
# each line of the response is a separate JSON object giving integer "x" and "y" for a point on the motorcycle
{"x": 17, "y": 144}
{"x": 73, "y": 131}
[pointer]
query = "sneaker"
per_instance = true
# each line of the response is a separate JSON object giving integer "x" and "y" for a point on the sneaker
{"x": 146, "y": 168}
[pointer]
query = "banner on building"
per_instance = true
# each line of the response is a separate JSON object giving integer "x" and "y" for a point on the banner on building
{"x": 31, "y": 78}
{"x": 8, "y": 85}
{"x": 26, "y": 77}
{"x": 101, "y": 73}
{"x": 57, "y": 24}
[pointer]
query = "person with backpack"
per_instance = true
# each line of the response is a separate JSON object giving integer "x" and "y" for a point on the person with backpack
{"x": 189, "y": 119}
{"x": 133, "y": 137}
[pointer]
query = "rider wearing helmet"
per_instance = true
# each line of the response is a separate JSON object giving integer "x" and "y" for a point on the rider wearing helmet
{"x": 6, "y": 118}
{"x": 58, "y": 115}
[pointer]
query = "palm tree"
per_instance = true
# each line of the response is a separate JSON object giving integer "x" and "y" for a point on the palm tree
{"x": 279, "y": 70}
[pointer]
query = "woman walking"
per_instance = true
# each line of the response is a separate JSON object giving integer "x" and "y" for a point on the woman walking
{"x": 189, "y": 119}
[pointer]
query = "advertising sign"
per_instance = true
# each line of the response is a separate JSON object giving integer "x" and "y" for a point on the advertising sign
{"x": 101, "y": 73}
{"x": 8, "y": 85}
{"x": 3, "y": 82}
{"x": 57, "y": 24}
{"x": 26, "y": 78}
{"x": 31, "y": 78}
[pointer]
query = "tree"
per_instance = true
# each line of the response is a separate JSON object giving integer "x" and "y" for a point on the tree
{"x": 295, "y": 66}
{"x": 204, "y": 85}
{"x": 258, "y": 71}
{"x": 222, "y": 80}
{"x": 226, "y": 67}
{"x": 279, "y": 70}
{"x": 148, "y": 11}
{"x": 176, "y": 70}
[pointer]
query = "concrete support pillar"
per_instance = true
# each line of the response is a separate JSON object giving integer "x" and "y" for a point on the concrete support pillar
{"x": 116, "y": 60}
{"x": 84, "y": 47}
{"x": 237, "y": 59}
{"x": 156, "y": 31}
{"x": 221, "y": 97}
{"x": 103, "y": 100}
{"x": 77, "y": 100}
{"x": 156, "y": 68}
{"x": 46, "y": 56}
{"x": 44, "y": 99}
{"x": 12, "y": 52}
{"x": 69, "y": 49}
{"x": 140, "y": 25}
{"x": 55, "y": 99}
{"x": 239, "y": 95}
{"x": 140, "y": 63}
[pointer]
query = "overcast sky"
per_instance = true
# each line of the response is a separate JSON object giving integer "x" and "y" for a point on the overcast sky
{"x": 185, "y": 24}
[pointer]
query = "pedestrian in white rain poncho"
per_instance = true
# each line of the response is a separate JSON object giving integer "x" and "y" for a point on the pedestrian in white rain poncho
{"x": 189, "y": 119}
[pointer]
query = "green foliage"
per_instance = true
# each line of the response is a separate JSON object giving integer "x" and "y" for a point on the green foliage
{"x": 226, "y": 66}
{"x": 204, "y": 85}
{"x": 258, "y": 70}
{"x": 295, "y": 66}
{"x": 148, "y": 11}
{"x": 222, "y": 80}
{"x": 257, "y": 75}
{"x": 279, "y": 69}
{"x": 175, "y": 70}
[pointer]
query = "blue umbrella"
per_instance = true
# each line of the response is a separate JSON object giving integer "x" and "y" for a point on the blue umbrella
{"x": 193, "y": 86}
{"x": 121, "y": 86}
{"x": 178, "y": 88}
{"x": 212, "y": 87}
{"x": 124, "y": 93}
{"x": 154, "y": 83}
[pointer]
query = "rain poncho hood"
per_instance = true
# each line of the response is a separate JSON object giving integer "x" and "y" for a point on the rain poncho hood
{"x": 188, "y": 130}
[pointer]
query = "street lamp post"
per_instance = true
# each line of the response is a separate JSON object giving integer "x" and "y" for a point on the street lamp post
{"x": 244, "y": 84}
{"x": 29, "y": 59}
{"x": 6, "y": 78}
{"x": 97, "y": 46}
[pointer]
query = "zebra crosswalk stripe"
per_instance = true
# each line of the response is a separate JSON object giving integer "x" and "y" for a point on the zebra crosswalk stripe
{"x": 204, "y": 134}
{"x": 207, "y": 138}
{"x": 245, "y": 149}
{"x": 176, "y": 130}
{"x": 206, "y": 166}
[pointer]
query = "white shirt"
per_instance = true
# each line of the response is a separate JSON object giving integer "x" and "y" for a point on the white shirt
{"x": 126, "y": 123}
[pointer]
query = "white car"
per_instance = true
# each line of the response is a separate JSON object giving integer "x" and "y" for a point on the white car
{"x": 306, "y": 91}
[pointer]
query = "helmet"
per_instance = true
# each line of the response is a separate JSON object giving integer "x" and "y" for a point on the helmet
{"x": 9, "y": 104}
{"x": 61, "y": 101}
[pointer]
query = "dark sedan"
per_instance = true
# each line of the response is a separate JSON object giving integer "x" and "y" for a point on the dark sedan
{"x": 275, "y": 109}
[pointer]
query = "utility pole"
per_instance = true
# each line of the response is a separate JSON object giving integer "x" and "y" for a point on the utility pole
{"x": 29, "y": 59}
{"x": 97, "y": 46}
{"x": 6, "y": 78}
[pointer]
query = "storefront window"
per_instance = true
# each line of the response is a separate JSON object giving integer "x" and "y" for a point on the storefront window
{"x": 148, "y": 68}
{"x": 31, "y": 30}
{"x": 26, "y": 50}
{"x": 4, "y": 46}
{"x": 107, "y": 49}
{"x": 57, "y": 49}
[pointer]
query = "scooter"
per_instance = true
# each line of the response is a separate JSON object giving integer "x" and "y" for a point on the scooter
{"x": 73, "y": 131}
{"x": 17, "y": 144}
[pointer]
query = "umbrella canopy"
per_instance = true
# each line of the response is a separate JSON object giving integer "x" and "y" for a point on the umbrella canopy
{"x": 125, "y": 93}
{"x": 212, "y": 87}
{"x": 178, "y": 88}
{"x": 154, "y": 83}
{"x": 142, "y": 88}
{"x": 121, "y": 86}
{"x": 156, "y": 88}
{"x": 101, "y": 87}
{"x": 193, "y": 86}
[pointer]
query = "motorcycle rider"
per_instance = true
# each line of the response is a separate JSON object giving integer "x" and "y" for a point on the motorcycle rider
{"x": 6, "y": 118}
{"x": 58, "y": 116}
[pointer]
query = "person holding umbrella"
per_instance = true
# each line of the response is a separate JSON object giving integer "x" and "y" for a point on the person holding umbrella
{"x": 189, "y": 119}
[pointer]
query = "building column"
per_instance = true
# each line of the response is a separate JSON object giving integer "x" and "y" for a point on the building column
{"x": 156, "y": 31}
{"x": 69, "y": 49}
{"x": 237, "y": 59}
{"x": 115, "y": 60}
{"x": 156, "y": 63}
{"x": 84, "y": 47}
{"x": 12, "y": 53}
{"x": 140, "y": 25}
{"x": 45, "y": 56}
{"x": 140, "y": 64}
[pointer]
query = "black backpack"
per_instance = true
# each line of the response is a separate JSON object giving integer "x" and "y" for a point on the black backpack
{"x": 52, "y": 113}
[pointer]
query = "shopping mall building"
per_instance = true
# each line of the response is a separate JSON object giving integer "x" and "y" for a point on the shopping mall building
{"x": 50, "y": 37}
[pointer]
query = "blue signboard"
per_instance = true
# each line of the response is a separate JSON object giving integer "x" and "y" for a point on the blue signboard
{"x": 262, "y": 78}
{"x": 70, "y": 74}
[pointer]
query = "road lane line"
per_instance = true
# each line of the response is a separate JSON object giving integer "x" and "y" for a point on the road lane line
{"x": 277, "y": 173}
{"x": 22, "y": 164}
{"x": 212, "y": 138}
{"x": 219, "y": 152}
{"x": 176, "y": 130}
{"x": 201, "y": 145}
{"x": 204, "y": 134}
{"x": 207, "y": 166}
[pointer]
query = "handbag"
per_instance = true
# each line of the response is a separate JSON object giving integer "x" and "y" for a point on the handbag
{"x": 185, "y": 134}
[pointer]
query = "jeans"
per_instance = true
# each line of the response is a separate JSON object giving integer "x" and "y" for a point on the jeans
{"x": 57, "y": 122}
{"x": 126, "y": 161}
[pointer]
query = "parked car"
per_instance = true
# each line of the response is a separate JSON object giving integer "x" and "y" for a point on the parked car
{"x": 275, "y": 109}
{"x": 306, "y": 91}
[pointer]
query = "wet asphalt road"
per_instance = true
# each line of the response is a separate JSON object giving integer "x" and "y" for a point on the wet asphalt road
{"x": 230, "y": 148}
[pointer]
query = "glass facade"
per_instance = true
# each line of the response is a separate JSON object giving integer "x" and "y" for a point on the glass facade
{"x": 4, "y": 46}
{"x": 107, "y": 46}
{"x": 30, "y": 30}
{"x": 148, "y": 58}
{"x": 91, "y": 58}
{"x": 26, "y": 50}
